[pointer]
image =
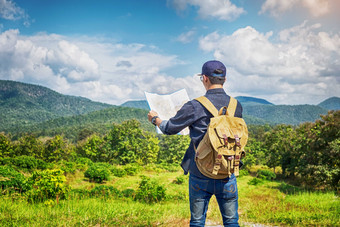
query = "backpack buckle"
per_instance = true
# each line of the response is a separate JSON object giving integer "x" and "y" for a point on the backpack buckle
{"x": 237, "y": 141}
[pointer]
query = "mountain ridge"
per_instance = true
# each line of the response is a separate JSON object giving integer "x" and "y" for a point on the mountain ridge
{"x": 27, "y": 107}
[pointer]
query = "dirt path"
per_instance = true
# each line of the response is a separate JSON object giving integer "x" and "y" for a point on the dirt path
{"x": 212, "y": 224}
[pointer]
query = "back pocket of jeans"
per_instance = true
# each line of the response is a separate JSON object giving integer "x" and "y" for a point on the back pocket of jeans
{"x": 198, "y": 184}
{"x": 230, "y": 189}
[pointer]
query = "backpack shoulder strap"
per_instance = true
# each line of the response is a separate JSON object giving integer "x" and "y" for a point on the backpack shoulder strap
{"x": 208, "y": 105}
{"x": 232, "y": 107}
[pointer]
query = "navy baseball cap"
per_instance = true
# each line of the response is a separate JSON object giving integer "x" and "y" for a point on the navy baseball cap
{"x": 213, "y": 68}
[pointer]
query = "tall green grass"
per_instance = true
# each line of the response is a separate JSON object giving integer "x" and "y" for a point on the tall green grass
{"x": 270, "y": 203}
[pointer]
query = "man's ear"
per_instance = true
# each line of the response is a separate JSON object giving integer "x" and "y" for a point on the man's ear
{"x": 206, "y": 79}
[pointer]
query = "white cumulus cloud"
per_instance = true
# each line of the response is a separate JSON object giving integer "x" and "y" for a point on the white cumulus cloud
{"x": 10, "y": 11}
{"x": 301, "y": 61}
{"x": 84, "y": 66}
{"x": 278, "y": 7}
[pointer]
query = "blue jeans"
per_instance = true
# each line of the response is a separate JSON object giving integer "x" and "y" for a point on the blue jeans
{"x": 200, "y": 192}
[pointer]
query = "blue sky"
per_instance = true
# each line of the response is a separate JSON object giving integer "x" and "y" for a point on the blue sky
{"x": 285, "y": 51}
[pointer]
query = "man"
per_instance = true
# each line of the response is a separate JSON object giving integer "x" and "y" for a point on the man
{"x": 197, "y": 117}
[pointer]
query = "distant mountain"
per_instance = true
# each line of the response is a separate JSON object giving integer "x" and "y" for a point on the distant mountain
{"x": 332, "y": 103}
{"x": 22, "y": 103}
{"x": 141, "y": 104}
{"x": 285, "y": 114}
{"x": 260, "y": 111}
{"x": 245, "y": 101}
{"x": 249, "y": 101}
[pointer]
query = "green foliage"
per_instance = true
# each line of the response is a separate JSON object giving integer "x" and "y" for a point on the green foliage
{"x": 105, "y": 191}
{"x": 6, "y": 147}
{"x": 11, "y": 180}
{"x": 121, "y": 171}
{"x": 128, "y": 143}
{"x": 255, "y": 181}
{"x": 279, "y": 144}
{"x": 118, "y": 171}
{"x": 172, "y": 148}
{"x": 69, "y": 167}
{"x": 84, "y": 161}
{"x": 47, "y": 185}
{"x": 179, "y": 180}
{"x": 98, "y": 172}
{"x": 310, "y": 151}
{"x": 243, "y": 173}
{"x": 150, "y": 191}
{"x": 93, "y": 149}
{"x": 255, "y": 153}
{"x": 55, "y": 149}
{"x": 29, "y": 145}
{"x": 25, "y": 162}
{"x": 265, "y": 174}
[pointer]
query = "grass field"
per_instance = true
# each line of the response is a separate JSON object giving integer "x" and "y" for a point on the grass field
{"x": 272, "y": 203}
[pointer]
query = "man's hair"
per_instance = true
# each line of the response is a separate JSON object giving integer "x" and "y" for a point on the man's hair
{"x": 216, "y": 80}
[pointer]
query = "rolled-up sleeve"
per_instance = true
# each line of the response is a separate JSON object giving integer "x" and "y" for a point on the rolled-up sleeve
{"x": 183, "y": 118}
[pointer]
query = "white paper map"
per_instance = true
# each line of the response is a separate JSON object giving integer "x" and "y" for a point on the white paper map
{"x": 167, "y": 105}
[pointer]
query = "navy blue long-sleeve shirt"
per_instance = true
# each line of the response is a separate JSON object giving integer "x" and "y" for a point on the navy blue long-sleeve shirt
{"x": 195, "y": 116}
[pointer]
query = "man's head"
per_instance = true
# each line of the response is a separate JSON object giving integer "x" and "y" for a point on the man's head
{"x": 215, "y": 71}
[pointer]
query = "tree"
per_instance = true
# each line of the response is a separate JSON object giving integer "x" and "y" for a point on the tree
{"x": 172, "y": 148}
{"x": 279, "y": 144}
{"x": 29, "y": 145}
{"x": 6, "y": 147}
{"x": 93, "y": 148}
{"x": 128, "y": 143}
{"x": 255, "y": 153}
{"x": 318, "y": 149}
{"x": 55, "y": 149}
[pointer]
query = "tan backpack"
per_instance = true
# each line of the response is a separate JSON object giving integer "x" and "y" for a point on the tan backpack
{"x": 218, "y": 154}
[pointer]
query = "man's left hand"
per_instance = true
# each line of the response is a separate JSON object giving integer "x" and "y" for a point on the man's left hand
{"x": 152, "y": 114}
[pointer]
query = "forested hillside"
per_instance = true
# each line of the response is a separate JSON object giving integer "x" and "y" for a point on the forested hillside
{"x": 285, "y": 114}
{"x": 332, "y": 103}
{"x": 24, "y": 104}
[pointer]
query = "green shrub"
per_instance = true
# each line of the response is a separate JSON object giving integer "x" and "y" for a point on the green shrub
{"x": 6, "y": 161}
{"x": 68, "y": 167}
{"x": 80, "y": 193}
{"x": 11, "y": 180}
{"x": 84, "y": 161}
{"x": 129, "y": 193}
{"x": 105, "y": 191}
{"x": 179, "y": 180}
{"x": 48, "y": 185}
{"x": 150, "y": 191}
{"x": 169, "y": 167}
{"x": 25, "y": 162}
{"x": 243, "y": 172}
{"x": 132, "y": 169}
{"x": 265, "y": 174}
{"x": 255, "y": 181}
{"x": 118, "y": 171}
{"x": 97, "y": 173}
